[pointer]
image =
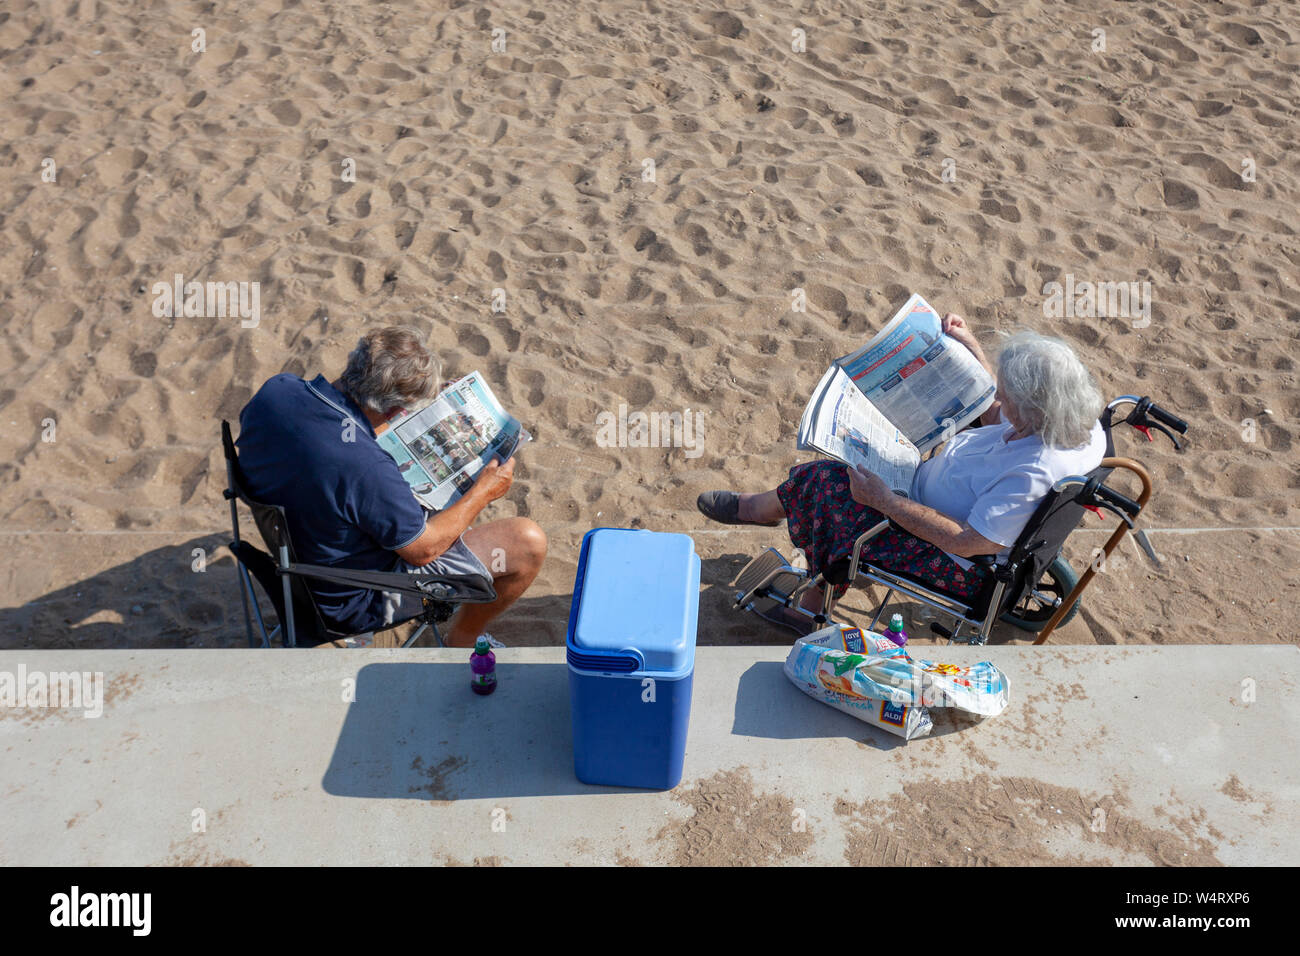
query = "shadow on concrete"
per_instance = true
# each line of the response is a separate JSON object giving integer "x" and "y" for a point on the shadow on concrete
{"x": 417, "y": 732}
{"x": 769, "y": 705}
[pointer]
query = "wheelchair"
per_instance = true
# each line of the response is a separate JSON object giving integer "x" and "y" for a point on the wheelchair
{"x": 1033, "y": 588}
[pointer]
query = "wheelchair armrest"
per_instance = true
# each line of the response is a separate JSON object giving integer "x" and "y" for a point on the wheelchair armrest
{"x": 451, "y": 588}
{"x": 984, "y": 560}
{"x": 851, "y": 569}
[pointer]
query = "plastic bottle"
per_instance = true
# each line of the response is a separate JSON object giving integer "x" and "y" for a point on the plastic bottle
{"x": 483, "y": 663}
{"x": 895, "y": 632}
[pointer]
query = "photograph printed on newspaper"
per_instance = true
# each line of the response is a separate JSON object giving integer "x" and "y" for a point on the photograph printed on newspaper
{"x": 441, "y": 447}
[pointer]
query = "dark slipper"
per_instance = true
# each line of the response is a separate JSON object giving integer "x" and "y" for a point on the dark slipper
{"x": 724, "y": 508}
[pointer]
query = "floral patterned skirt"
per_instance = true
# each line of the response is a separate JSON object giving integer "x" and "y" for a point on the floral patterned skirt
{"x": 824, "y": 521}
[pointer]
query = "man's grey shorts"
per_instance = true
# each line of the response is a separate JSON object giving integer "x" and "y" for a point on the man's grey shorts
{"x": 458, "y": 559}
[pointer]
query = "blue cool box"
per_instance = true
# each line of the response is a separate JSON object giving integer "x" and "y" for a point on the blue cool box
{"x": 631, "y": 653}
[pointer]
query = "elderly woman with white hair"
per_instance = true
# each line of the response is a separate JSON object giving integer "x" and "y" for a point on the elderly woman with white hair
{"x": 972, "y": 498}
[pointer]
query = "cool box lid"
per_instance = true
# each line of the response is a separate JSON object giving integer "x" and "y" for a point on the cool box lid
{"x": 636, "y": 602}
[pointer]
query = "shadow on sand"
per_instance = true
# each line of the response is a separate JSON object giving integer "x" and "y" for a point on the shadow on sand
{"x": 160, "y": 600}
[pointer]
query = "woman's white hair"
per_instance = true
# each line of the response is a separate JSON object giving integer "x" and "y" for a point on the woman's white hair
{"x": 1052, "y": 390}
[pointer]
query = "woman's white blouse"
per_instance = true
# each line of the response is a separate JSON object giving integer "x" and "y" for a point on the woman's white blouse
{"x": 993, "y": 484}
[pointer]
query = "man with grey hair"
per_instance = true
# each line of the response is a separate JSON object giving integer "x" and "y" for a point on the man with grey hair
{"x": 309, "y": 446}
{"x": 972, "y": 498}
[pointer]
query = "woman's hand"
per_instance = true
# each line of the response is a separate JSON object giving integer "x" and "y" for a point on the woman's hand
{"x": 867, "y": 488}
{"x": 954, "y": 326}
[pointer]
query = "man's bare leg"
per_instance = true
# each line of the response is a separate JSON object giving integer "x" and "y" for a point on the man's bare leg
{"x": 513, "y": 550}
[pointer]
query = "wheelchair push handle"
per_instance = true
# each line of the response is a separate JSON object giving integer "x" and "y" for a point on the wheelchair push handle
{"x": 1124, "y": 503}
{"x": 1173, "y": 421}
{"x": 1093, "y": 494}
{"x": 1147, "y": 415}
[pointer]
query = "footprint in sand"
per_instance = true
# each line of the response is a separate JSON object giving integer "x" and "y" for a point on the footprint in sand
{"x": 1216, "y": 170}
{"x": 1241, "y": 35}
{"x": 469, "y": 338}
{"x": 285, "y": 113}
{"x": 1178, "y": 195}
{"x": 723, "y": 24}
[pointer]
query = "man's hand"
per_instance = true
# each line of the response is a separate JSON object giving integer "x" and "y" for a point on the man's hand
{"x": 444, "y": 528}
{"x": 495, "y": 479}
{"x": 867, "y": 488}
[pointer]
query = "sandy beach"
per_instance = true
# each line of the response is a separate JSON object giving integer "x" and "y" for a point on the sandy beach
{"x": 605, "y": 205}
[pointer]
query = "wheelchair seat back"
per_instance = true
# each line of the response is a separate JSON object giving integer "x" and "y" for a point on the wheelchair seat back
{"x": 1055, "y": 519}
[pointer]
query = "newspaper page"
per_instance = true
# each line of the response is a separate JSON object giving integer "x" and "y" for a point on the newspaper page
{"x": 441, "y": 448}
{"x": 924, "y": 382}
{"x": 840, "y": 422}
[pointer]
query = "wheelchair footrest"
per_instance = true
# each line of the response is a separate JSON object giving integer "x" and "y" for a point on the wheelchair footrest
{"x": 760, "y": 569}
{"x": 767, "y": 581}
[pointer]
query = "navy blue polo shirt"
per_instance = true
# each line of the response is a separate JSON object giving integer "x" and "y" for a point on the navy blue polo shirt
{"x": 308, "y": 447}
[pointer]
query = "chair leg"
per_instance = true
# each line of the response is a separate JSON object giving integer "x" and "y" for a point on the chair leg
{"x": 245, "y": 587}
{"x": 250, "y": 596}
{"x": 881, "y": 610}
{"x": 290, "y": 635}
{"x": 828, "y": 600}
{"x": 415, "y": 635}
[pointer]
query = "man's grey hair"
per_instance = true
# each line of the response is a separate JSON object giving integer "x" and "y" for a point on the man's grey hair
{"x": 1051, "y": 389}
{"x": 390, "y": 368}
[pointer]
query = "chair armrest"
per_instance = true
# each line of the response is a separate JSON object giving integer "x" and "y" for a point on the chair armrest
{"x": 451, "y": 588}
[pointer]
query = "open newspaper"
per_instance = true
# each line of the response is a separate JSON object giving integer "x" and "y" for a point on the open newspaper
{"x": 890, "y": 402}
{"x": 441, "y": 447}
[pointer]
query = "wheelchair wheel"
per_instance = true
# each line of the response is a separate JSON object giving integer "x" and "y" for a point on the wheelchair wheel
{"x": 1032, "y": 613}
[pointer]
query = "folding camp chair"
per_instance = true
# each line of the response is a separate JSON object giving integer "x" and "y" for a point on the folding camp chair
{"x": 1033, "y": 588}
{"x": 301, "y": 623}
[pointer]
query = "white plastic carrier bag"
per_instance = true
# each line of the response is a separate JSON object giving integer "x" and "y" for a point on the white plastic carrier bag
{"x": 869, "y": 677}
